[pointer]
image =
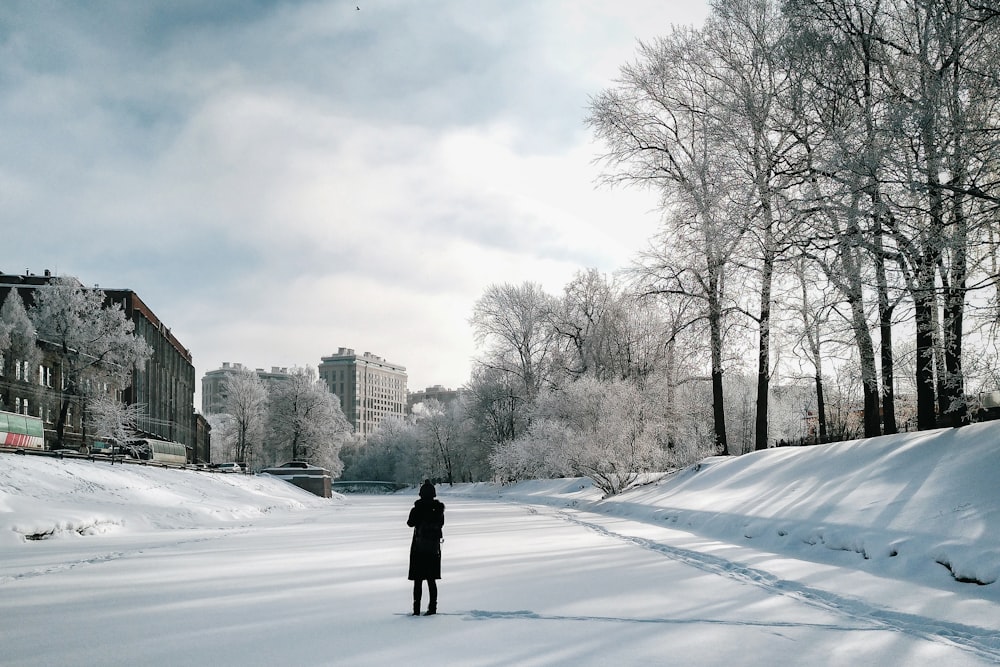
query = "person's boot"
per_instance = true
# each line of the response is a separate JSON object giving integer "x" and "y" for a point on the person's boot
{"x": 432, "y": 608}
{"x": 416, "y": 607}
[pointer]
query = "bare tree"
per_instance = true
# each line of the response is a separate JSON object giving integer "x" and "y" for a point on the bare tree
{"x": 496, "y": 408}
{"x": 607, "y": 331}
{"x": 908, "y": 99}
{"x": 513, "y": 321}
{"x": 947, "y": 89}
{"x": 442, "y": 430}
{"x": 813, "y": 309}
{"x": 661, "y": 131}
{"x": 745, "y": 39}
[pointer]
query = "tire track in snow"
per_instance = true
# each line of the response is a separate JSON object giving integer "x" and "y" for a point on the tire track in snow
{"x": 111, "y": 556}
{"x": 982, "y": 642}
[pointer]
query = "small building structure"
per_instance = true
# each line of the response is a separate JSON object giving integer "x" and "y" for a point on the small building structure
{"x": 310, "y": 478}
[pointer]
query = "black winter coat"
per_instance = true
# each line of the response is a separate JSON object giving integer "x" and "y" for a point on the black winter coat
{"x": 425, "y": 563}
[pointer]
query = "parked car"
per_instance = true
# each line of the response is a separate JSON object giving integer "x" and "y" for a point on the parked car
{"x": 228, "y": 467}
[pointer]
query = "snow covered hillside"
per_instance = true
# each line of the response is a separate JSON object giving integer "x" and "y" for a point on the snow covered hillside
{"x": 42, "y": 498}
{"x": 921, "y": 506}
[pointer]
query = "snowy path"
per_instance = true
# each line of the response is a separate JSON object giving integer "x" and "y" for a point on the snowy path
{"x": 522, "y": 585}
{"x": 981, "y": 641}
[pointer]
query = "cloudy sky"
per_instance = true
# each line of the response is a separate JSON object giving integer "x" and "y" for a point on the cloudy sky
{"x": 280, "y": 179}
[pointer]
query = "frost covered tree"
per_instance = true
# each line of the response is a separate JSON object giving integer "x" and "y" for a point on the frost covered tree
{"x": 903, "y": 127}
{"x": 812, "y": 306}
{"x": 540, "y": 452}
{"x": 607, "y": 431}
{"x": 392, "y": 452}
{"x": 662, "y": 130}
{"x": 606, "y": 331}
{"x": 691, "y": 266}
{"x": 443, "y": 430}
{"x": 111, "y": 420}
{"x": 18, "y": 344}
{"x": 513, "y": 322}
{"x": 744, "y": 38}
{"x": 946, "y": 86}
{"x": 615, "y": 430}
{"x": 223, "y": 437}
{"x": 697, "y": 117}
{"x": 93, "y": 341}
{"x": 496, "y": 406}
{"x": 246, "y": 404}
{"x": 305, "y": 422}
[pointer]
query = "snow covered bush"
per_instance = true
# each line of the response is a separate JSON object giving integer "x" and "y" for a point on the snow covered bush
{"x": 607, "y": 431}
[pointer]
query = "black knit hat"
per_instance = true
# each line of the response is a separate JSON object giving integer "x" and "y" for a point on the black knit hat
{"x": 427, "y": 490}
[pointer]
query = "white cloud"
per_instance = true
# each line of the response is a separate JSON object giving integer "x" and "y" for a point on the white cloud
{"x": 278, "y": 183}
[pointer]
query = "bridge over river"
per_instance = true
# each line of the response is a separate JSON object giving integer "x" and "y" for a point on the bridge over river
{"x": 367, "y": 487}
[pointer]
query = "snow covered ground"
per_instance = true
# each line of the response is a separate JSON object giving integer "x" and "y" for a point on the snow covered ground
{"x": 875, "y": 552}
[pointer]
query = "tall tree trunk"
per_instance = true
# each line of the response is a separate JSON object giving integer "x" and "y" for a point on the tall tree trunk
{"x": 940, "y": 374}
{"x": 885, "y": 310}
{"x": 851, "y": 263}
{"x": 811, "y": 328}
{"x": 869, "y": 381}
{"x": 929, "y": 359}
{"x": 824, "y": 435}
{"x": 923, "y": 311}
{"x": 866, "y": 50}
{"x": 764, "y": 349}
{"x": 715, "y": 334}
{"x": 61, "y": 420}
{"x": 956, "y": 411}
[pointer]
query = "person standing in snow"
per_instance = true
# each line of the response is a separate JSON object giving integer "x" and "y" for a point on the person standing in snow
{"x": 426, "y": 518}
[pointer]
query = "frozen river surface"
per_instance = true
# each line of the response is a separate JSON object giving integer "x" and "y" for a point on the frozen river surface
{"x": 522, "y": 585}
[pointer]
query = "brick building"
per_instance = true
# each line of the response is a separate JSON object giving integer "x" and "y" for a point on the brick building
{"x": 165, "y": 386}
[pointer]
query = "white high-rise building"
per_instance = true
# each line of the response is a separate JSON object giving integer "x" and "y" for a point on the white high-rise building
{"x": 369, "y": 387}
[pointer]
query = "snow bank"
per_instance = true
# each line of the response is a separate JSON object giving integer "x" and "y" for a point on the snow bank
{"x": 42, "y": 498}
{"x": 901, "y": 505}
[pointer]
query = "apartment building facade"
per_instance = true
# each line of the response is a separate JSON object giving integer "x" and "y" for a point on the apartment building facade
{"x": 370, "y": 388}
{"x": 439, "y": 393}
{"x": 213, "y": 384}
